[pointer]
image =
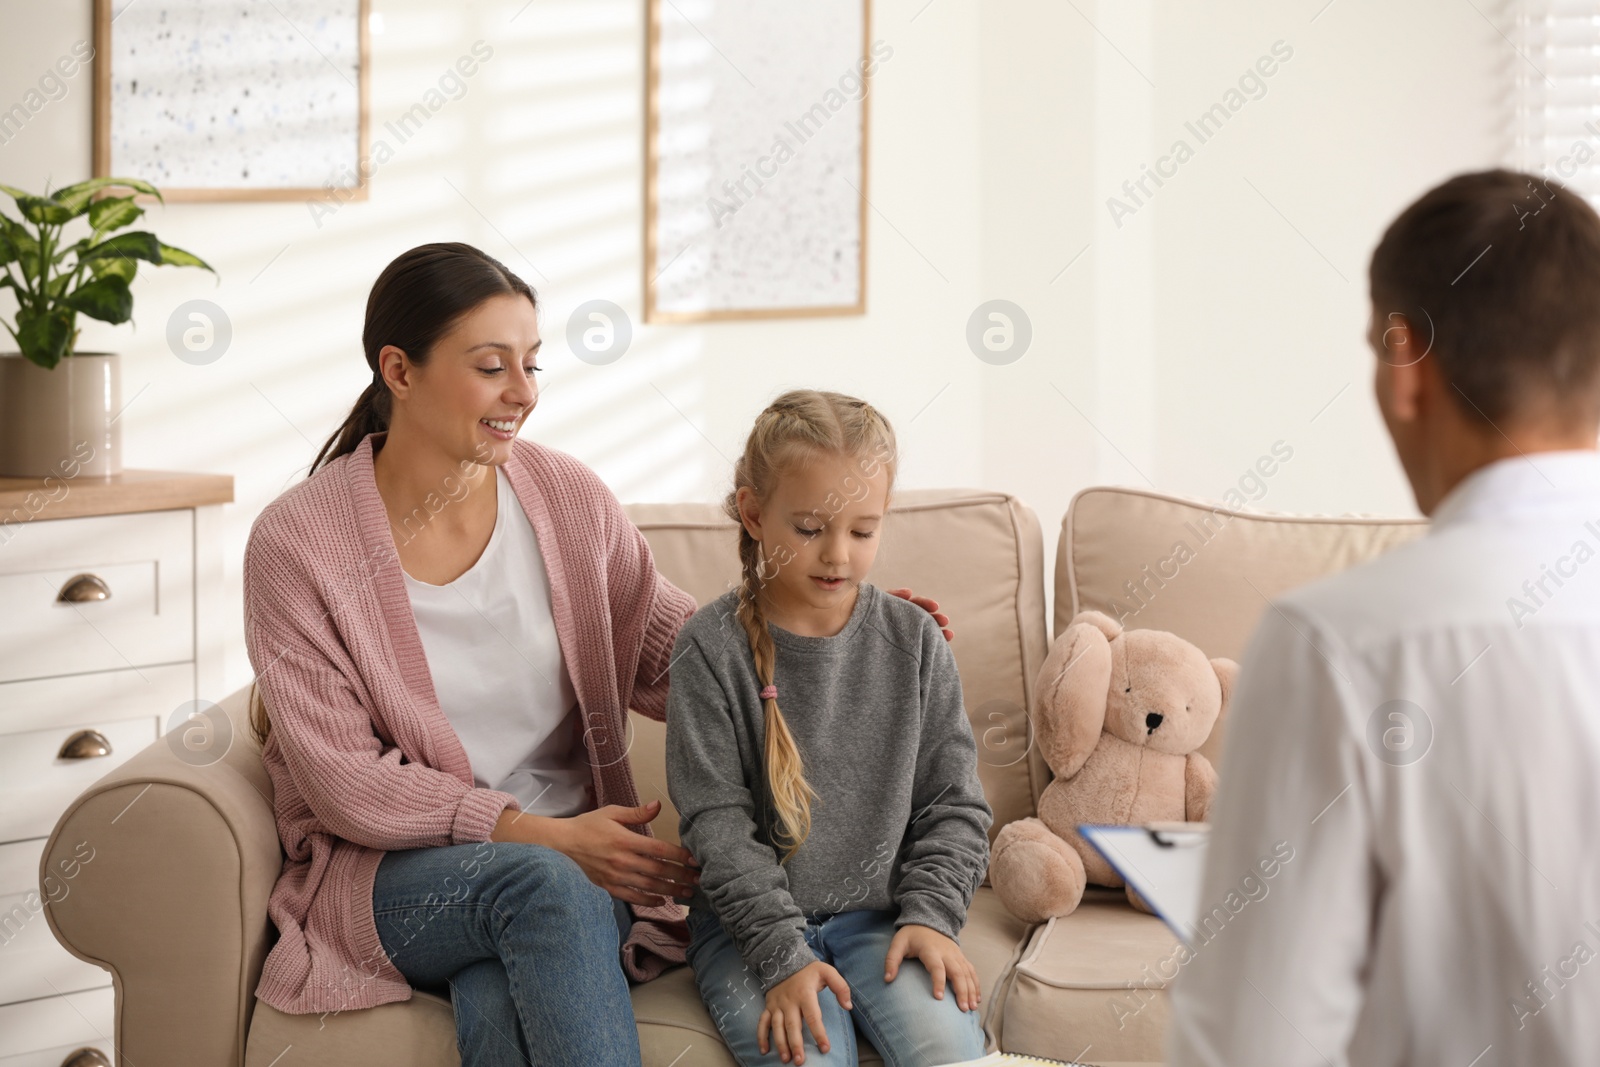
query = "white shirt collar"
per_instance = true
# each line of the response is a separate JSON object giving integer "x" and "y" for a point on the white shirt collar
{"x": 1529, "y": 484}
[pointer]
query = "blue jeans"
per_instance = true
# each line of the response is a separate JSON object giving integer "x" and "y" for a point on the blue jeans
{"x": 902, "y": 1019}
{"x": 525, "y": 946}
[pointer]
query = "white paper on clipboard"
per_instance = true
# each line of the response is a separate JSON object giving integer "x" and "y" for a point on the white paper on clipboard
{"x": 1163, "y": 862}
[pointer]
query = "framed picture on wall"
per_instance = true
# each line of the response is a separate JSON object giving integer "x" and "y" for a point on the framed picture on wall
{"x": 233, "y": 99}
{"x": 755, "y": 194}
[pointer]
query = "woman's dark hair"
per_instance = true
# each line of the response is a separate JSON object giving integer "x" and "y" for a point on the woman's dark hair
{"x": 414, "y": 302}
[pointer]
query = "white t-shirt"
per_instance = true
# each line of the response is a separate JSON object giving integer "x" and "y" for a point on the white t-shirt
{"x": 497, "y": 669}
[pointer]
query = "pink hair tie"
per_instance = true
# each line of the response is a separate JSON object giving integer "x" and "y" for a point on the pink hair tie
{"x": 769, "y": 693}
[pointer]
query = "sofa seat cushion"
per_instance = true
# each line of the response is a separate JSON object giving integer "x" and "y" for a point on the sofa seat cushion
{"x": 675, "y": 1030}
{"x": 420, "y": 1032}
{"x": 1091, "y": 985}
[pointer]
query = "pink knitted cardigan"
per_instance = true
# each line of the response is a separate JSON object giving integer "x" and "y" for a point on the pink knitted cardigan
{"x": 363, "y": 760}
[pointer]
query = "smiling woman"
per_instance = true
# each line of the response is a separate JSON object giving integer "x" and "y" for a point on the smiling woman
{"x": 449, "y": 625}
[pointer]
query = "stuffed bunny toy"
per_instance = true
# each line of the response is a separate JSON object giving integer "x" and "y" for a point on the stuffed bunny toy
{"x": 1120, "y": 716}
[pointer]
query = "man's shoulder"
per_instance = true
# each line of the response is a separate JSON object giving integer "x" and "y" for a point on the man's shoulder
{"x": 1427, "y": 583}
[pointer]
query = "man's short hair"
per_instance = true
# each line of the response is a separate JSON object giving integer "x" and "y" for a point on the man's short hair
{"x": 1498, "y": 274}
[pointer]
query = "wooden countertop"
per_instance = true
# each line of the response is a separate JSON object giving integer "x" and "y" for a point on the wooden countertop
{"x": 118, "y": 494}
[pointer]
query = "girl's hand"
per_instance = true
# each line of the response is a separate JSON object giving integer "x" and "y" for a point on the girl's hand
{"x": 943, "y": 958}
{"x": 930, "y": 606}
{"x": 792, "y": 1002}
{"x": 629, "y": 866}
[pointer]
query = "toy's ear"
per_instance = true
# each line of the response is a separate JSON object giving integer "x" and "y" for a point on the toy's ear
{"x": 1100, "y": 621}
{"x": 1228, "y": 674}
{"x": 1070, "y": 705}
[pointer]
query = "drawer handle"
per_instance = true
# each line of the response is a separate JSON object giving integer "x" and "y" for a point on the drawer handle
{"x": 86, "y": 1057}
{"x": 83, "y": 587}
{"x": 85, "y": 744}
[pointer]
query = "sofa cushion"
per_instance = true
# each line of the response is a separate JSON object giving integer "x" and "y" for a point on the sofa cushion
{"x": 1091, "y": 985}
{"x": 979, "y": 554}
{"x": 420, "y": 1032}
{"x": 675, "y": 1030}
{"x": 1200, "y": 570}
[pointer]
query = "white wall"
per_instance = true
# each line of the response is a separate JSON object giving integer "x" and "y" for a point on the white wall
{"x": 1205, "y": 328}
{"x": 1176, "y": 348}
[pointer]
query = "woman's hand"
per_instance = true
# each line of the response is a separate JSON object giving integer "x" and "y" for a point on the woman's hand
{"x": 930, "y": 606}
{"x": 793, "y": 1003}
{"x": 629, "y": 866}
{"x": 943, "y": 958}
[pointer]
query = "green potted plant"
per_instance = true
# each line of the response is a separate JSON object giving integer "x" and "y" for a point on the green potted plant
{"x": 58, "y": 405}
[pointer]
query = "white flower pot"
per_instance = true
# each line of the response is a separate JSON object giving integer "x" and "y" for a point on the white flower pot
{"x": 59, "y": 422}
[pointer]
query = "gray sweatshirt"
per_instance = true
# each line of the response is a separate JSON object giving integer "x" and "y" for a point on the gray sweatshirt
{"x": 900, "y": 820}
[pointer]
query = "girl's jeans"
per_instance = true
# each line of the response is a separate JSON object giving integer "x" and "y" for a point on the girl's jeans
{"x": 525, "y": 946}
{"x": 903, "y": 1020}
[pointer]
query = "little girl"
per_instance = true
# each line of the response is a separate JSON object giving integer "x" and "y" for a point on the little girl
{"x": 840, "y": 839}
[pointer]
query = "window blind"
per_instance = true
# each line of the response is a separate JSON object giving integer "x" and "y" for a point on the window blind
{"x": 1556, "y": 78}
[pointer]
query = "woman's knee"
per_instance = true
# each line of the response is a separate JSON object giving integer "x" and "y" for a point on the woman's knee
{"x": 553, "y": 882}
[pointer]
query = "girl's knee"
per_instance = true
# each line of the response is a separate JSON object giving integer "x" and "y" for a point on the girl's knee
{"x": 920, "y": 1028}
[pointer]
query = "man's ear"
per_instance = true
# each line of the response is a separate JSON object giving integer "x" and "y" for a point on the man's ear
{"x": 1403, "y": 351}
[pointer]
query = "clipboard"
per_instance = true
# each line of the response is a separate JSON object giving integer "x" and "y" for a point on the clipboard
{"x": 1163, "y": 862}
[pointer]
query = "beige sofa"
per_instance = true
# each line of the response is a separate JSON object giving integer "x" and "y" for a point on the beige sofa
{"x": 175, "y": 903}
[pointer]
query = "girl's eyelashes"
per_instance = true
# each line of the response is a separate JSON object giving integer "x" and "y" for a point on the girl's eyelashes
{"x": 864, "y": 535}
{"x": 496, "y": 370}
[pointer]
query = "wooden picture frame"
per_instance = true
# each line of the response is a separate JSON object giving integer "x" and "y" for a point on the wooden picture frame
{"x": 764, "y": 111}
{"x": 107, "y": 163}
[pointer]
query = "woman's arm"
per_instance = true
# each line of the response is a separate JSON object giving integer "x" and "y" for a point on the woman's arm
{"x": 358, "y": 788}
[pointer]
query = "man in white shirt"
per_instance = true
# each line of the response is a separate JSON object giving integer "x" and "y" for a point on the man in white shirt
{"x": 1420, "y": 735}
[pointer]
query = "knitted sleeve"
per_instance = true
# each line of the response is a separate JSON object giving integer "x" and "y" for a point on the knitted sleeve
{"x": 359, "y": 788}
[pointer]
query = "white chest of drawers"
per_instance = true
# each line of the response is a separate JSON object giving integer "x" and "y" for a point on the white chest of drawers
{"x": 110, "y": 610}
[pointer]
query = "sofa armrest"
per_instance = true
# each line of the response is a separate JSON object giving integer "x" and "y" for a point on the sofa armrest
{"x": 173, "y": 898}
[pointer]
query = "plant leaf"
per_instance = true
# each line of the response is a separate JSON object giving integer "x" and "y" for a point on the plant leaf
{"x": 177, "y": 257}
{"x": 77, "y": 197}
{"x": 28, "y": 262}
{"x": 77, "y": 246}
{"x": 120, "y": 267}
{"x": 44, "y": 338}
{"x": 105, "y": 298}
{"x": 139, "y": 244}
{"x": 44, "y": 210}
{"x": 112, "y": 213}
{"x": 18, "y": 234}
